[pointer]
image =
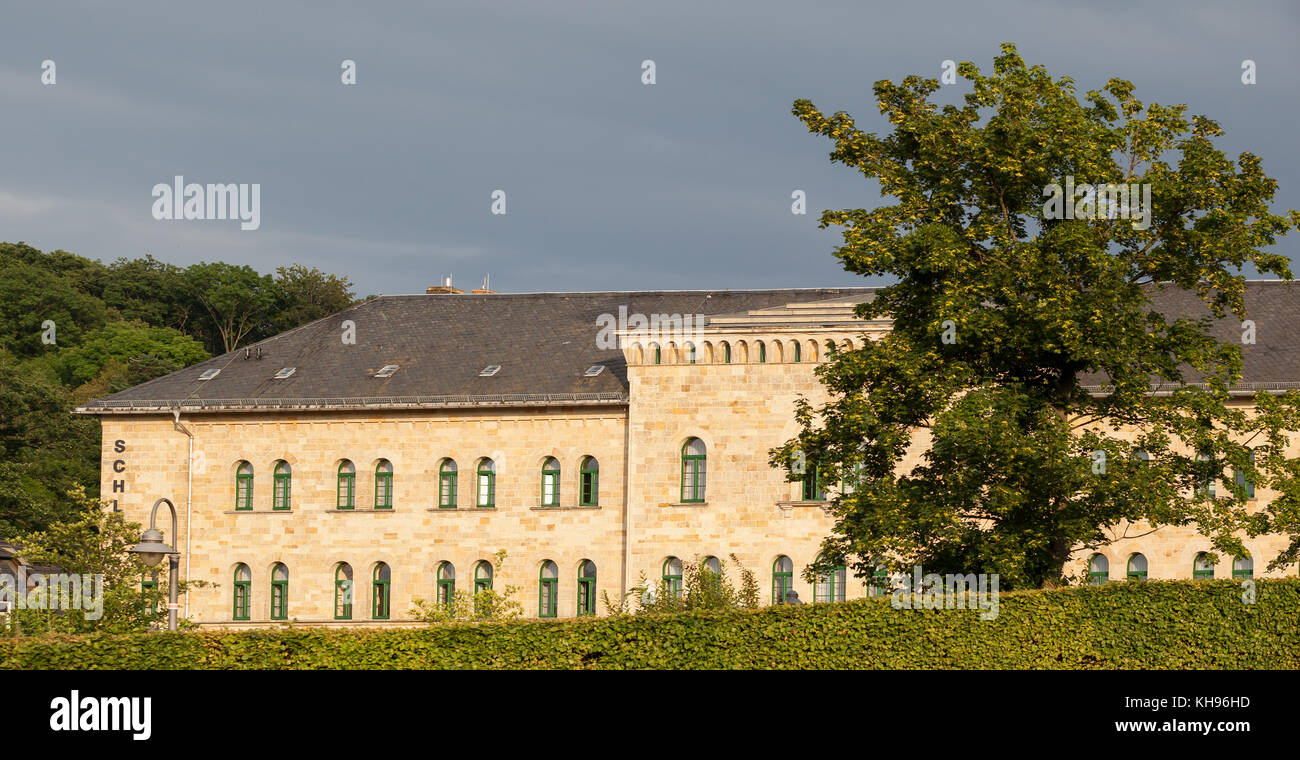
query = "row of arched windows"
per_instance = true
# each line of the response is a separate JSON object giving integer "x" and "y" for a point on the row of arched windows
{"x": 1136, "y": 569}
{"x": 741, "y": 352}
{"x": 485, "y": 473}
{"x": 381, "y": 589}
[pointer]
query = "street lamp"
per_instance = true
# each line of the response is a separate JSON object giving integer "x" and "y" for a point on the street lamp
{"x": 151, "y": 549}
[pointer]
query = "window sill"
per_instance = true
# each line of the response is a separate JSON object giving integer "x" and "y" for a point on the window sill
{"x": 388, "y": 510}
{"x": 688, "y": 504}
{"x": 260, "y": 511}
{"x": 563, "y": 509}
{"x": 460, "y": 509}
{"x": 801, "y": 503}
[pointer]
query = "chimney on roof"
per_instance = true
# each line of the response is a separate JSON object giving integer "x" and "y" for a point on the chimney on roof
{"x": 444, "y": 288}
{"x": 483, "y": 289}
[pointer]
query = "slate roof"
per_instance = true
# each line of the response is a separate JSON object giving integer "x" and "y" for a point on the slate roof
{"x": 544, "y": 343}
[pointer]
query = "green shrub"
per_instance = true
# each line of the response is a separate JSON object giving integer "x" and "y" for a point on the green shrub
{"x": 1154, "y": 624}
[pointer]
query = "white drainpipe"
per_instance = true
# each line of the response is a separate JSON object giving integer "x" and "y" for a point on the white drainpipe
{"x": 189, "y": 488}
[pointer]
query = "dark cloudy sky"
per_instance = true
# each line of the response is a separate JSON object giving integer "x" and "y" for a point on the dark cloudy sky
{"x": 611, "y": 184}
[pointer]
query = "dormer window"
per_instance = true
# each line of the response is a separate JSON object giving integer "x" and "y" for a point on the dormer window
{"x": 282, "y": 374}
{"x": 490, "y": 370}
{"x": 387, "y": 370}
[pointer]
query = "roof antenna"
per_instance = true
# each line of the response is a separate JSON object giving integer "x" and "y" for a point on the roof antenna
{"x": 486, "y": 278}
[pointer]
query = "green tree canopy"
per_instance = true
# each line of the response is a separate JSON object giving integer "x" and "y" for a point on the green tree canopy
{"x": 1002, "y": 311}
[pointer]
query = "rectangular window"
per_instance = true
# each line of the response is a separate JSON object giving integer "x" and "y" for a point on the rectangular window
{"x": 241, "y": 600}
{"x": 384, "y": 490}
{"x": 243, "y": 492}
{"x": 447, "y": 491}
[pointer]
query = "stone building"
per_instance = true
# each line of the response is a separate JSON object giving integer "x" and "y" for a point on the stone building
{"x": 393, "y": 448}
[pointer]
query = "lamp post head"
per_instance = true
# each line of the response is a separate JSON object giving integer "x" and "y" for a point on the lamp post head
{"x": 151, "y": 547}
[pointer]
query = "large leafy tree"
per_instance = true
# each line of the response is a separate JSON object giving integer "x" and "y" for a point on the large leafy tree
{"x": 304, "y": 295}
{"x": 236, "y": 302}
{"x": 1009, "y": 418}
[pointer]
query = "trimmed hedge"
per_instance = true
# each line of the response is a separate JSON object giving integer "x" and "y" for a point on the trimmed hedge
{"x": 1153, "y": 624}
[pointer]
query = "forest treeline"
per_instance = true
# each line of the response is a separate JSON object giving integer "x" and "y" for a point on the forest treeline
{"x": 73, "y": 329}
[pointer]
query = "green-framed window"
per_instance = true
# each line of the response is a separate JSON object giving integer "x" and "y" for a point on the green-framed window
{"x": 148, "y": 585}
{"x": 589, "y": 490}
{"x": 1243, "y": 567}
{"x": 879, "y": 585}
{"x": 798, "y": 352}
{"x": 279, "y": 592}
{"x": 384, "y": 484}
{"x": 244, "y": 487}
{"x": 851, "y": 477}
{"x": 690, "y": 353}
{"x": 487, "y": 483}
{"x": 586, "y": 588}
{"x": 347, "y": 490}
{"x": 813, "y": 490}
{"x": 380, "y": 591}
{"x": 1245, "y": 483}
{"x": 551, "y": 482}
{"x": 342, "y": 591}
{"x": 762, "y": 352}
{"x": 693, "y": 470}
{"x": 1201, "y": 567}
{"x": 831, "y": 586}
{"x": 447, "y": 484}
{"x": 446, "y": 584}
{"x": 1098, "y": 569}
{"x": 483, "y": 576}
{"x": 782, "y": 578}
{"x": 712, "y": 572}
{"x": 658, "y": 353}
{"x": 280, "y": 496}
{"x": 548, "y": 589}
{"x": 241, "y": 590}
{"x": 1205, "y": 478}
{"x": 672, "y": 576}
{"x": 1137, "y": 567}
{"x": 726, "y": 353}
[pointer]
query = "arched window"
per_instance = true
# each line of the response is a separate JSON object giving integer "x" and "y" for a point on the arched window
{"x": 281, "y": 491}
{"x": 279, "y": 592}
{"x": 347, "y": 494}
{"x": 782, "y": 578}
{"x": 244, "y": 486}
{"x": 487, "y": 483}
{"x": 482, "y": 576}
{"x": 690, "y": 353}
{"x": 1137, "y": 567}
{"x": 384, "y": 485}
{"x": 711, "y": 570}
{"x": 693, "y": 461}
{"x": 590, "y": 490}
{"x": 657, "y": 353}
{"x": 798, "y": 352}
{"x": 726, "y": 353}
{"x": 762, "y": 352}
{"x": 1144, "y": 457}
{"x": 1243, "y": 567}
{"x": 243, "y": 587}
{"x": 548, "y": 587}
{"x": 343, "y": 591}
{"x": 446, "y": 584}
{"x": 380, "y": 588}
{"x": 447, "y": 484}
{"x": 1098, "y": 569}
{"x": 1201, "y": 567}
{"x": 587, "y": 588}
{"x": 672, "y": 576}
{"x": 551, "y": 482}
{"x": 831, "y": 586}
